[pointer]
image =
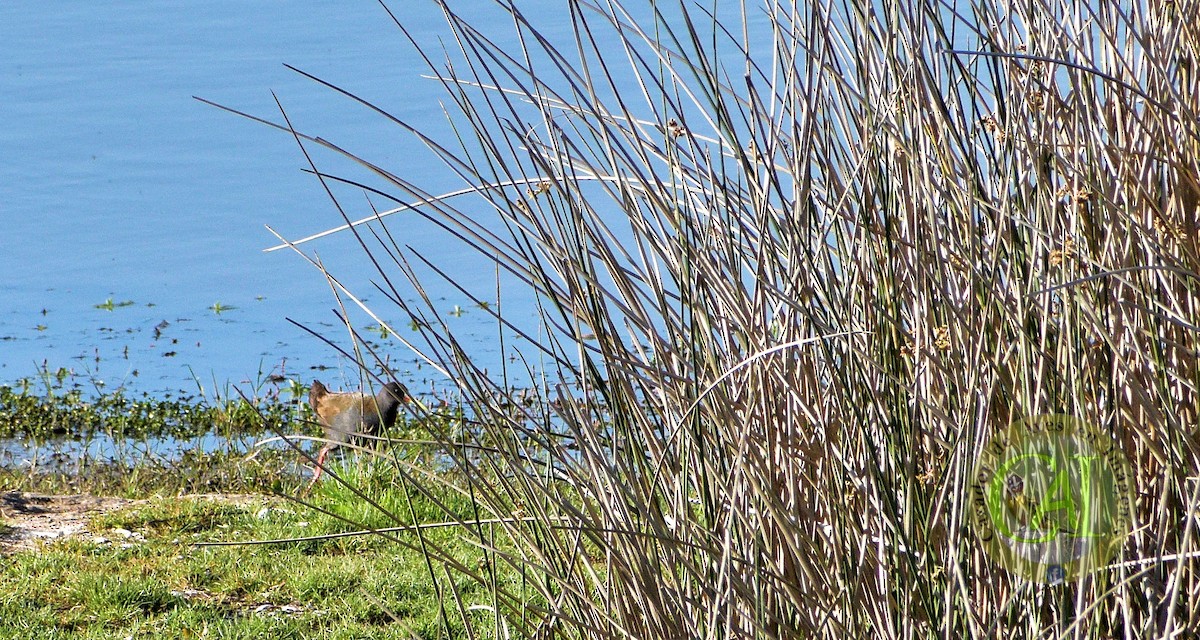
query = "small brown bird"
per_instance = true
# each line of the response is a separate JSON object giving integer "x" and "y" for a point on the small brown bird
{"x": 348, "y": 417}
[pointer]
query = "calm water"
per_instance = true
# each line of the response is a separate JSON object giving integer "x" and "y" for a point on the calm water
{"x": 132, "y": 216}
{"x": 116, "y": 185}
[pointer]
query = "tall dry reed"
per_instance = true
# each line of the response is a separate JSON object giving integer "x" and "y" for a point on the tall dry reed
{"x": 794, "y": 268}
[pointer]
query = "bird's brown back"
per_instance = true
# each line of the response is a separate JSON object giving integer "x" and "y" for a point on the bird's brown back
{"x": 344, "y": 415}
{"x": 328, "y": 405}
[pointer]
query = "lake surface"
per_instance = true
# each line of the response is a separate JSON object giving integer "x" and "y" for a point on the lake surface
{"x": 133, "y": 216}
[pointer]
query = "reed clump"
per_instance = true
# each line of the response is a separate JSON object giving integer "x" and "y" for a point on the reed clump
{"x": 794, "y": 268}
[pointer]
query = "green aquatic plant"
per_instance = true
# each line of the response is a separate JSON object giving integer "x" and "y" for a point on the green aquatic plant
{"x": 64, "y": 405}
{"x": 109, "y": 305}
{"x": 382, "y": 330}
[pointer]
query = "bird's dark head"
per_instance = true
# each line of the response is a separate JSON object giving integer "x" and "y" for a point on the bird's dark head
{"x": 394, "y": 392}
{"x": 389, "y": 399}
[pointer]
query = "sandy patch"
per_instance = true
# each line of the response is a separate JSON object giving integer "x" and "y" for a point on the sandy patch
{"x": 32, "y": 518}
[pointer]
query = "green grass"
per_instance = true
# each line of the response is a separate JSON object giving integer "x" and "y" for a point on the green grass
{"x": 275, "y": 470}
{"x": 156, "y": 583}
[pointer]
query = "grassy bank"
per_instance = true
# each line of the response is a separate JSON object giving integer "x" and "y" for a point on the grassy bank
{"x": 133, "y": 567}
{"x": 136, "y": 572}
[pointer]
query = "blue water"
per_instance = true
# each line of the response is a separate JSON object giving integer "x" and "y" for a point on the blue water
{"x": 133, "y": 217}
{"x": 116, "y": 185}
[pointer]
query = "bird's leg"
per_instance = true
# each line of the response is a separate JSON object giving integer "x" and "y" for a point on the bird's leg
{"x": 320, "y": 467}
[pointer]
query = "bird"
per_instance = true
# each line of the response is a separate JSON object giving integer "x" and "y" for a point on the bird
{"x": 353, "y": 417}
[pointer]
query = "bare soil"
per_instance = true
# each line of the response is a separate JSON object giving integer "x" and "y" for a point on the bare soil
{"x": 28, "y": 519}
